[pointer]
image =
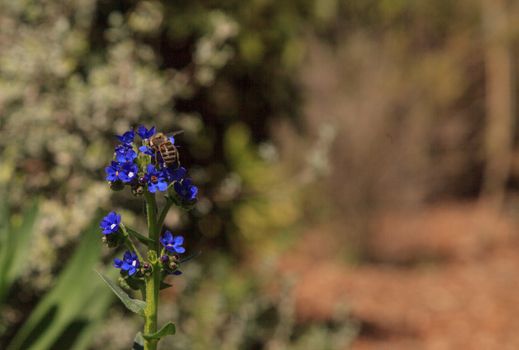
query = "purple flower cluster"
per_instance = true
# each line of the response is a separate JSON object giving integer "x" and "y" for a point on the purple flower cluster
{"x": 137, "y": 165}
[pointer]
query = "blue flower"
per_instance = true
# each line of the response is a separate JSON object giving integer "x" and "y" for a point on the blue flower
{"x": 146, "y": 150}
{"x": 186, "y": 190}
{"x": 175, "y": 174}
{"x": 130, "y": 263}
{"x": 127, "y": 137}
{"x": 112, "y": 172}
{"x": 173, "y": 244}
{"x": 110, "y": 223}
{"x": 145, "y": 133}
{"x": 125, "y": 153}
{"x": 155, "y": 179}
{"x": 128, "y": 172}
{"x": 172, "y": 139}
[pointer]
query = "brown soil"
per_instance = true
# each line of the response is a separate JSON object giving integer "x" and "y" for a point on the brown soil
{"x": 444, "y": 278}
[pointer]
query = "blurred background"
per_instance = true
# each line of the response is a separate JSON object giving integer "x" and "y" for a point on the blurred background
{"x": 357, "y": 163}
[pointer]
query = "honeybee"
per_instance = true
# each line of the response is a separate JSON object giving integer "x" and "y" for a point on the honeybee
{"x": 162, "y": 145}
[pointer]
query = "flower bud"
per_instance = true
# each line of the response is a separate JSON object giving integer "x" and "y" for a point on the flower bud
{"x": 123, "y": 283}
{"x": 146, "y": 269}
{"x": 112, "y": 240}
{"x": 137, "y": 190}
{"x": 131, "y": 282}
{"x": 152, "y": 256}
{"x": 117, "y": 185}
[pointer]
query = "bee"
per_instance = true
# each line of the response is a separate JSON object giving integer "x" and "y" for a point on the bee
{"x": 163, "y": 146}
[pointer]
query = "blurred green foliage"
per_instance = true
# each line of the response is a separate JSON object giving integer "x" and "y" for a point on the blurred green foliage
{"x": 269, "y": 203}
{"x": 61, "y": 319}
{"x": 15, "y": 235}
{"x": 73, "y": 74}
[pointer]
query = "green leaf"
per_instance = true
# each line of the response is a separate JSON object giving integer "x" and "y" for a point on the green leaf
{"x": 133, "y": 305}
{"x": 172, "y": 198}
{"x": 139, "y": 236}
{"x": 164, "y": 285}
{"x": 24, "y": 234}
{"x": 61, "y": 320}
{"x": 167, "y": 329}
{"x": 192, "y": 256}
{"x": 14, "y": 240}
{"x": 138, "y": 342}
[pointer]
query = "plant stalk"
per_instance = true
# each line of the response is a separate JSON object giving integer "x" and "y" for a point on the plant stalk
{"x": 163, "y": 214}
{"x": 153, "y": 281}
{"x": 129, "y": 243}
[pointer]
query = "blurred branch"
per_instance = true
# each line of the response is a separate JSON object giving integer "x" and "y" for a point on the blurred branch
{"x": 500, "y": 99}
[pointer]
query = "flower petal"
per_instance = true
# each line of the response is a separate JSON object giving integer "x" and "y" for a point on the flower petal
{"x": 118, "y": 263}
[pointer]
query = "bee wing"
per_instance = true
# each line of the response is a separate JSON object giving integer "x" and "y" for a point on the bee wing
{"x": 175, "y": 133}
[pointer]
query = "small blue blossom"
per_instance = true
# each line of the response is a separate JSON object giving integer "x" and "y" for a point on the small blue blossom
{"x": 156, "y": 179}
{"x": 172, "y": 139}
{"x": 186, "y": 190}
{"x": 146, "y": 150}
{"x": 173, "y": 244}
{"x": 112, "y": 172}
{"x": 125, "y": 153}
{"x": 130, "y": 263}
{"x": 128, "y": 172}
{"x": 145, "y": 133}
{"x": 127, "y": 137}
{"x": 175, "y": 174}
{"x": 110, "y": 223}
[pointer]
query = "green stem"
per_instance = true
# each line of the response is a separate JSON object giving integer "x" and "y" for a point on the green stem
{"x": 129, "y": 243}
{"x": 163, "y": 214}
{"x": 153, "y": 281}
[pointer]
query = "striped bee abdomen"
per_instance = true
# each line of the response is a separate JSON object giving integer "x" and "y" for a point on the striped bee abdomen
{"x": 168, "y": 153}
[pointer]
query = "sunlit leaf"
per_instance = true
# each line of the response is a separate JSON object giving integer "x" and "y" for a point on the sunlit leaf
{"x": 13, "y": 245}
{"x": 167, "y": 329}
{"x": 138, "y": 342}
{"x": 60, "y": 319}
{"x": 133, "y": 305}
